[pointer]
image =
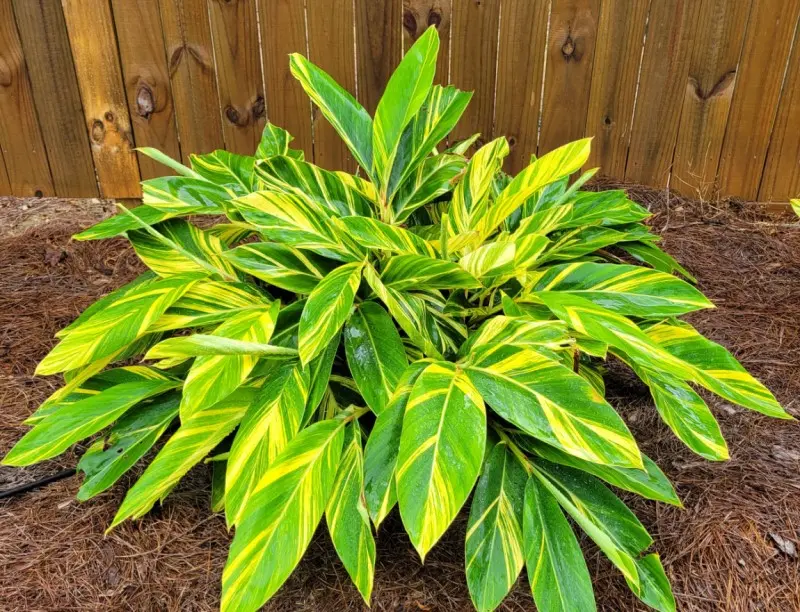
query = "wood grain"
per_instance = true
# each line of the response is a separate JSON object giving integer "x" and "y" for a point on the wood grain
{"x": 418, "y": 15}
{"x": 241, "y": 93}
{"x": 43, "y": 33}
{"x": 665, "y": 66}
{"x": 620, "y": 36}
{"x": 283, "y": 31}
{"x": 568, "y": 75}
{"x": 781, "y": 179}
{"x": 379, "y": 47}
{"x": 20, "y": 136}
{"x": 94, "y": 48}
{"x": 5, "y": 185}
{"x": 770, "y": 32}
{"x": 708, "y": 93}
{"x": 144, "y": 68}
{"x": 190, "y": 61}
{"x": 520, "y": 68}
{"x": 473, "y": 63}
{"x": 332, "y": 47}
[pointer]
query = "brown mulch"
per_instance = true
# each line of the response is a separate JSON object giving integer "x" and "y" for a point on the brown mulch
{"x": 721, "y": 551}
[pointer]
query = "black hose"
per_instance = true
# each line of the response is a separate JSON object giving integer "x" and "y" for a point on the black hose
{"x": 37, "y": 483}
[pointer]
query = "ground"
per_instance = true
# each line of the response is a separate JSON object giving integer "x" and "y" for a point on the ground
{"x": 729, "y": 548}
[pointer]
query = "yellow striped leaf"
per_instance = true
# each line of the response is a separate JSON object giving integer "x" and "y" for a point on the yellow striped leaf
{"x": 432, "y": 179}
{"x": 420, "y": 272}
{"x": 471, "y": 195}
{"x": 795, "y": 206}
{"x": 518, "y": 331}
{"x": 275, "y": 141}
{"x": 280, "y": 265}
{"x": 327, "y": 308}
{"x": 441, "y": 451}
{"x": 551, "y": 403}
{"x": 347, "y": 517}
{"x": 193, "y": 440}
{"x": 213, "y": 377}
{"x": 494, "y": 553}
{"x": 183, "y": 195}
{"x": 281, "y": 516}
{"x": 374, "y": 234}
{"x": 229, "y": 170}
{"x": 107, "y": 331}
{"x": 491, "y": 260}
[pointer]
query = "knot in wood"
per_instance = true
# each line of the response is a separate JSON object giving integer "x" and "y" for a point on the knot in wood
{"x": 145, "y": 101}
{"x": 434, "y": 18}
{"x": 259, "y": 108}
{"x": 98, "y": 131}
{"x": 568, "y": 48}
{"x": 410, "y": 22}
{"x": 234, "y": 116}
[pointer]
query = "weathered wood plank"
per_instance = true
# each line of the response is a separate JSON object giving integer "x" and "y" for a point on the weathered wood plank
{"x": 190, "y": 61}
{"x": 620, "y": 36}
{"x": 781, "y": 179}
{"x": 331, "y": 43}
{"x": 5, "y": 185}
{"x": 283, "y": 31}
{"x": 473, "y": 62}
{"x": 94, "y": 48}
{"x": 20, "y": 136}
{"x": 708, "y": 94}
{"x": 241, "y": 92}
{"x": 379, "y": 47}
{"x": 43, "y": 33}
{"x": 568, "y": 75}
{"x": 665, "y": 66}
{"x": 520, "y": 68}
{"x": 418, "y": 15}
{"x": 770, "y": 32}
{"x": 144, "y": 67}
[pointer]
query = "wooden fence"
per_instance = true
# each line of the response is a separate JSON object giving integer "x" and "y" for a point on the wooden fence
{"x": 700, "y": 95}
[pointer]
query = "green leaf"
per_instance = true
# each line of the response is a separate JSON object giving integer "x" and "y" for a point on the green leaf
{"x": 383, "y": 446}
{"x": 490, "y": 260}
{"x": 280, "y": 265}
{"x": 229, "y": 170}
{"x": 375, "y": 354}
{"x": 405, "y": 93}
{"x": 127, "y": 442}
{"x": 165, "y": 159}
{"x": 433, "y": 178}
{"x": 650, "y": 254}
{"x": 78, "y": 420}
{"x": 118, "y": 325}
{"x": 717, "y": 370}
{"x": 193, "y": 440}
{"x": 214, "y": 376}
{"x": 493, "y": 545}
{"x": 557, "y": 571}
{"x": 374, "y": 234}
{"x": 518, "y": 331}
{"x": 200, "y": 345}
{"x": 182, "y": 195}
{"x": 119, "y": 224}
{"x": 627, "y": 290}
{"x": 551, "y": 403}
{"x": 441, "y": 450}
{"x": 319, "y": 373}
{"x": 327, "y": 308}
{"x": 347, "y": 517}
{"x": 269, "y": 424}
{"x": 654, "y": 588}
{"x": 417, "y": 272}
{"x": 275, "y": 141}
{"x": 471, "y": 195}
{"x": 281, "y": 515}
{"x": 339, "y": 107}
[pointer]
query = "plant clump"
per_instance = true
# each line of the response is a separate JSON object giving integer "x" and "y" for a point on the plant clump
{"x": 423, "y": 330}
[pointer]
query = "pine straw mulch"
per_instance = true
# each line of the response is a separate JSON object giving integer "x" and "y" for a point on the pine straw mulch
{"x": 721, "y": 551}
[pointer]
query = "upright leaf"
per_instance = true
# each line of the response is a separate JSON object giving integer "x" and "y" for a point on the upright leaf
{"x": 229, "y": 170}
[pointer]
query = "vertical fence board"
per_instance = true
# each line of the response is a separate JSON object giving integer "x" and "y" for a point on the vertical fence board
{"x": 379, "y": 47}
{"x": 144, "y": 67}
{"x": 418, "y": 15}
{"x": 283, "y": 31}
{"x": 91, "y": 34}
{"x": 620, "y": 35}
{"x": 332, "y": 47}
{"x": 523, "y": 34}
{"x": 708, "y": 94}
{"x": 20, "y": 136}
{"x": 55, "y": 91}
{"x": 5, "y": 185}
{"x": 665, "y": 66}
{"x": 769, "y": 37}
{"x": 235, "y": 35}
{"x": 781, "y": 179}
{"x": 473, "y": 62}
{"x": 190, "y": 61}
{"x": 568, "y": 75}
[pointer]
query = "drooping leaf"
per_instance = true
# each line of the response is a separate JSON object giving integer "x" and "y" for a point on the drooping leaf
{"x": 420, "y": 272}
{"x": 441, "y": 450}
{"x": 280, "y": 265}
{"x": 654, "y": 588}
{"x": 655, "y": 257}
{"x": 229, "y": 170}
{"x": 374, "y": 234}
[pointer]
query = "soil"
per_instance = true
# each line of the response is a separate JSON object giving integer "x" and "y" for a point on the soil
{"x": 729, "y": 548}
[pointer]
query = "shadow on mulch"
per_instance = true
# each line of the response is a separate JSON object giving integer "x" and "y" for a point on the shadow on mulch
{"x": 720, "y": 551}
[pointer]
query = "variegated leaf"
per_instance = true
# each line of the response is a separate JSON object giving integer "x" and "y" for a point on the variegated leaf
{"x": 229, "y": 170}
{"x": 275, "y": 141}
{"x": 281, "y": 515}
{"x": 202, "y": 345}
{"x": 433, "y": 178}
{"x": 653, "y": 256}
{"x": 441, "y": 451}
{"x": 491, "y": 260}
{"x": 654, "y": 588}
{"x": 494, "y": 553}
{"x": 182, "y": 195}
{"x": 552, "y": 403}
{"x": 471, "y": 195}
{"x": 403, "y": 272}
{"x": 280, "y": 265}
{"x": 347, "y": 517}
{"x": 327, "y": 308}
{"x": 374, "y": 234}
{"x": 518, "y": 331}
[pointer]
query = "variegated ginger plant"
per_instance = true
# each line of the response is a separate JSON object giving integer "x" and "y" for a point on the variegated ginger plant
{"x": 430, "y": 327}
